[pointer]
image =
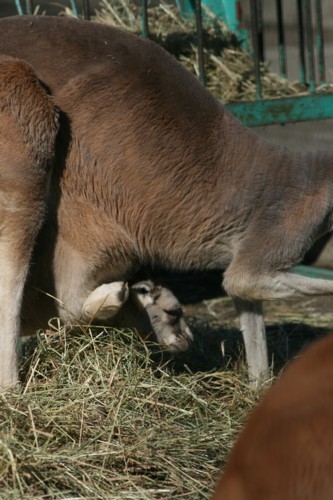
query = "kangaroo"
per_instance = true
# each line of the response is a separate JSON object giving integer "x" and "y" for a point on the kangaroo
{"x": 286, "y": 449}
{"x": 151, "y": 169}
{"x": 30, "y": 122}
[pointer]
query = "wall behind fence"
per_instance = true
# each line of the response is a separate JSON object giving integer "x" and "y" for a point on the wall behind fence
{"x": 289, "y": 7}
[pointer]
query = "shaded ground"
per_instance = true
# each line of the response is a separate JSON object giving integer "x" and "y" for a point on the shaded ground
{"x": 290, "y": 326}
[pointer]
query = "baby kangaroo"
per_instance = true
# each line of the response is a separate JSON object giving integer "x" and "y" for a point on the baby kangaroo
{"x": 146, "y": 307}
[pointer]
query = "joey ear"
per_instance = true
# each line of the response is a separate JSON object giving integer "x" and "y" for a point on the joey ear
{"x": 141, "y": 293}
{"x": 142, "y": 287}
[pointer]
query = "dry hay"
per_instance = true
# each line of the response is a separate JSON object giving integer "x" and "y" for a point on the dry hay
{"x": 96, "y": 417}
{"x": 101, "y": 415}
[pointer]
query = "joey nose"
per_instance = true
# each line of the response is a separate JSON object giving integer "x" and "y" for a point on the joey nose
{"x": 178, "y": 343}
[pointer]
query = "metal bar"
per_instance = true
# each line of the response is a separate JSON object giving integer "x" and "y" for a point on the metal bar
{"x": 284, "y": 110}
{"x": 198, "y": 18}
{"x": 301, "y": 43}
{"x": 309, "y": 45}
{"x": 86, "y": 10}
{"x": 19, "y": 7}
{"x": 29, "y": 6}
{"x": 255, "y": 45}
{"x": 261, "y": 41}
{"x": 320, "y": 41}
{"x": 281, "y": 38}
{"x": 74, "y": 8}
{"x": 144, "y": 17}
{"x": 313, "y": 272}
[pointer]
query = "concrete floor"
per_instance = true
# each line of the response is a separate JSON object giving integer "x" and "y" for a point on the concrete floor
{"x": 300, "y": 136}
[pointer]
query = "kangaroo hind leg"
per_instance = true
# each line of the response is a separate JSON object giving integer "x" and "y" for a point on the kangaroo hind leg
{"x": 249, "y": 288}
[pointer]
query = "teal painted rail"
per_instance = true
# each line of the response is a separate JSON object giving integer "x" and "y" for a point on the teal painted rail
{"x": 283, "y": 110}
{"x": 227, "y": 10}
{"x": 313, "y": 272}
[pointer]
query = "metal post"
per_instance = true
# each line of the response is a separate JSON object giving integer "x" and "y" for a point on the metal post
{"x": 74, "y": 8}
{"x": 320, "y": 42}
{"x": 30, "y": 6}
{"x": 144, "y": 14}
{"x": 86, "y": 10}
{"x": 198, "y": 17}
{"x": 19, "y": 7}
{"x": 261, "y": 48}
{"x": 255, "y": 45}
{"x": 302, "y": 62}
{"x": 281, "y": 38}
{"x": 309, "y": 45}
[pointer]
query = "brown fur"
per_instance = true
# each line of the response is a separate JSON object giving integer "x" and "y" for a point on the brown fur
{"x": 285, "y": 451}
{"x": 150, "y": 168}
{"x": 29, "y": 124}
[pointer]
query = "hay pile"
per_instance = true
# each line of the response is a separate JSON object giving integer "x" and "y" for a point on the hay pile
{"x": 101, "y": 415}
{"x": 97, "y": 418}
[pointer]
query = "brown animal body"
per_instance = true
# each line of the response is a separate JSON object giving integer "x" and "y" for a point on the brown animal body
{"x": 285, "y": 451}
{"x": 30, "y": 122}
{"x": 150, "y": 168}
{"x": 29, "y": 125}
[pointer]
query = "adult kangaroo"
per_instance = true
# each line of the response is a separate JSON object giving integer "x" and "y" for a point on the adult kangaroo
{"x": 285, "y": 450}
{"x": 151, "y": 169}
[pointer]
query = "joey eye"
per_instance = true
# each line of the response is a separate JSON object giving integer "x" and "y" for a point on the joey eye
{"x": 175, "y": 313}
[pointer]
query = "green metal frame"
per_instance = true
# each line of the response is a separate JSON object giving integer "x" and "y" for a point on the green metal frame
{"x": 313, "y": 272}
{"x": 226, "y": 10}
{"x": 223, "y": 9}
{"x": 283, "y": 110}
